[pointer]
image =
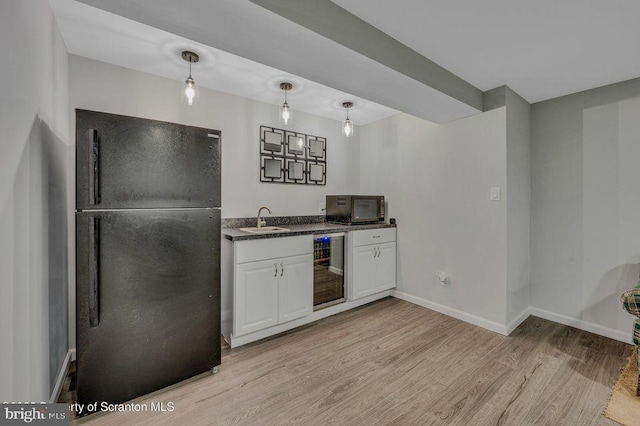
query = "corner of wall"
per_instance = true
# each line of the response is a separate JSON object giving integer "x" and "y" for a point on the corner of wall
{"x": 518, "y": 128}
{"x": 494, "y": 98}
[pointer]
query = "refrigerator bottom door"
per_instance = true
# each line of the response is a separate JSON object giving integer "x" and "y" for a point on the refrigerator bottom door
{"x": 148, "y": 300}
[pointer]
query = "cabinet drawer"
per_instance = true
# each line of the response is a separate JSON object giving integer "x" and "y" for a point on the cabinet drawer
{"x": 272, "y": 248}
{"x": 373, "y": 236}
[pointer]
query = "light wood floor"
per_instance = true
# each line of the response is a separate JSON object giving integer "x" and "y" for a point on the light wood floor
{"x": 392, "y": 362}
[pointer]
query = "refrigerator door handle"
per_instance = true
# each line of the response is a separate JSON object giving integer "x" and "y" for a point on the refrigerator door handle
{"x": 94, "y": 167}
{"x": 94, "y": 272}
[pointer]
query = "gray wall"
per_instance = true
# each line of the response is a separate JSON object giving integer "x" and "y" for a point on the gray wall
{"x": 55, "y": 154}
{"x": 437, "y": 181}
{"x": 585, "y": 224}
{"x": 33, "y": 207}
{"x": 518, "y": 205}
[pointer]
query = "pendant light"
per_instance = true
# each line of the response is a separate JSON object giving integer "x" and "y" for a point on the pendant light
{"x": 347, "y": 124}
{"x": 190, "y": 93}
{"x": 285, "y": 110}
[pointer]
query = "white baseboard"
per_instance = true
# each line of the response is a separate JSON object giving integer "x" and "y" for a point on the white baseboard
{"x": 508, "y": 329}
{"x": 335, "y": 270}
{"x": 518, "y": 320}
{"x": 584, "y": 325}
{"x": 464, "y": 316}
{"x": 62, "y": 375}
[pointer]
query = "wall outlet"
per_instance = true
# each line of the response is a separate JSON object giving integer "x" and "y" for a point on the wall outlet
{"x": 443, "y": 277}
{"x": 495, "y": 193}
{"x": 322, "y": 207}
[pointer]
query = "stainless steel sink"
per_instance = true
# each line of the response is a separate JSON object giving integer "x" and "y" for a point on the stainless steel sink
{"x": 264, "y": 229}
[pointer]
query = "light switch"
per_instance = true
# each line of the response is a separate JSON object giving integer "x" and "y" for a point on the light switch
{"x": 495, "y": 194}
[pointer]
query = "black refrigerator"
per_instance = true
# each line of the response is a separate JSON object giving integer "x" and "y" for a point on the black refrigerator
{"x": 147, "y": 255}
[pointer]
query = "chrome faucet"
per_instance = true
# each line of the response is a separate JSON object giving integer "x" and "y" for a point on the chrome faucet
{"x": 261, "y": 222}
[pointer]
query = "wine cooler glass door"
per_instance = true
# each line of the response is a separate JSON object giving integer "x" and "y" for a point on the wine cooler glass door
{"x": 328, "y": 270}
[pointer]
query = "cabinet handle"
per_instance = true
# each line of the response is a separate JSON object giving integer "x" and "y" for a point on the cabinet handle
{"x": 275, "y": 272}
{"x": 281, "y": 269}
{"x": 376, "y": 236}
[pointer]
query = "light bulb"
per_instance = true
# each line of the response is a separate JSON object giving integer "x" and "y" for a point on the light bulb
{"x": 347, "y": 128}
{"x": 285, "y": 113}
{"x": 190, "y": 91}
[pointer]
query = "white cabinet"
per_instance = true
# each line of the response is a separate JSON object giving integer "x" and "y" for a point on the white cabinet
{"x": 273, "y": 282}
{"x": 295, "y": 288}
{"x": 386, "y": 266}
{"x": 256, "y": 297}
{"x": 373, "y": 262}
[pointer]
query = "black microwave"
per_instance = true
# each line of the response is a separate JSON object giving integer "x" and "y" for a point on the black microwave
{"x": 353, "y": 209}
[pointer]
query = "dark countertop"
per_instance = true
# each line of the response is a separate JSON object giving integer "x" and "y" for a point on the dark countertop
{"x": 235, "y": 234}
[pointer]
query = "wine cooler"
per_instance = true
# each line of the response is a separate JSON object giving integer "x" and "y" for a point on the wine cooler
{"x": 328, "y": 270}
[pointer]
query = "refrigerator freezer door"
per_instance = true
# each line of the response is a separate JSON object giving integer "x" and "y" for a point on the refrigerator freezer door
{"x": 148, "y": 300}
{"x": 125, "y": 162}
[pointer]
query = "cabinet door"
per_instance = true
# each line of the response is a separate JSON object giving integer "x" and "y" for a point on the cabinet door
{"x": 386, "y": 266}
{"x": 296, "y": 287}
{"x": 364, "y": 280}
{"x": 256, "y": 296}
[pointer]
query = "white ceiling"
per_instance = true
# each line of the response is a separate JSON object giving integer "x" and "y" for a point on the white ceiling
{"x": 250, "y": 31}
{"x": 542, "y": 49}
{"x": 103, "y": 36}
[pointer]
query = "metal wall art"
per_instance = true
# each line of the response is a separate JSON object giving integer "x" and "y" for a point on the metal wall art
{"x": 292, "y": 157}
